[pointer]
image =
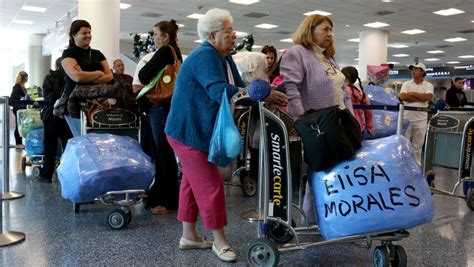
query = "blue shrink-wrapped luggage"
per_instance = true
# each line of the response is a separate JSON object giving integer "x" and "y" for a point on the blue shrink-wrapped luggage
{"x": 94, "y": 164}
{"x": 381, "y": 189}
{"x": 385, "y": 122}
{"x": 34, "y": 142}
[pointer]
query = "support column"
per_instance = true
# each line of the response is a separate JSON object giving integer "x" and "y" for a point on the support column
{"x": 372, "y": 50}
{"x": 104, "y": 17}
{"x": 37, "y": 65}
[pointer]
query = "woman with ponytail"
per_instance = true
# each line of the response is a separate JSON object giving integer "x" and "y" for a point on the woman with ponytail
{"x": 358, "y": 96}
{"x": 163, "y": 195}
{"x": 83, "y": 65}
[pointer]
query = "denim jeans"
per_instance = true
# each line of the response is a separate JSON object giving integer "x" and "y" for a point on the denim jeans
{"x": 164, "y": 191}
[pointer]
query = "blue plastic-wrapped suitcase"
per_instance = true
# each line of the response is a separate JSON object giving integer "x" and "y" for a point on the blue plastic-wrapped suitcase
{"x": 34, "y": 142}
{"x": 94, "y": 164}
{"x": 385, "y": 121}
{"x": 381, "y": 189}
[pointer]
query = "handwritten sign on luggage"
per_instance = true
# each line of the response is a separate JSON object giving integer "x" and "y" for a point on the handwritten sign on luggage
{"x": 381, "y": 189}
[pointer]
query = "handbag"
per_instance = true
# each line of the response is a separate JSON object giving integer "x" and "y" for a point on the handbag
{"x": 160, "y": 89}
{"x": 60, "y": 106}
{"x": 330, "y": 135}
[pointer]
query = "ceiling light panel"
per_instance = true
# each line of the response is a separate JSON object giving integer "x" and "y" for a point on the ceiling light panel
{"x": 244, "y": 2}
{"x": 432, "y": 59}
{"x": 318, "y": 12}
{"x": 453, "y": 62}
{"x": 397, "y": 45}
{"x": 34, "y": 9}
{"x": 355, "y": 40}
{"x": 466, "y": 56}
{"x": 449, "y": 12}
{"x": 257, "y": 46}
{"x": 401, "y": 55}
{"x": 241, "y": 34}
{"x": 288, "y": 40}
{"x": 456, "y": 39}
{"x": 19, "y": 21}
{"x": 414, "y": 31}
{"x": 124, "y": 6}
{"x": 435, "y": 52}
{"x": 376, "y": 24}
{"x": 195, "y": 16}
{"x": 393, "y": 62}
{"x": 266, "y": 26}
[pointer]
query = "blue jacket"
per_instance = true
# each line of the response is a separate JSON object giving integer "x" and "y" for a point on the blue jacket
{"x": 200, "y": 83}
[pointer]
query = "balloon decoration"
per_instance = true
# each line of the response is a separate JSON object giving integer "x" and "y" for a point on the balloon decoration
{"x": 247, "y": 43}
{"x": 143, "y": 44}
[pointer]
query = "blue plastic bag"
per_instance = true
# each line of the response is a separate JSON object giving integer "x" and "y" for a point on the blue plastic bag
{"x": 226, "y": 142}
{"x": 381, "y": 189}
{"x": 384, "y": 121}
{"x": 94, "y": 164}
{"x": 34, "y": 142}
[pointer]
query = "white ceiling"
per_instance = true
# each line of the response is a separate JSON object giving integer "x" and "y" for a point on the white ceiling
{"x": 348, "y": 17}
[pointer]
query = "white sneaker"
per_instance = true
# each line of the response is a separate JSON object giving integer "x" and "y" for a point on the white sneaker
{"x": 225, "y": 253}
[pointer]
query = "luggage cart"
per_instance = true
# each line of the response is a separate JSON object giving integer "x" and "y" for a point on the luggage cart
{"x": 122, "y": 122}
{"x": 30, "y": 117}
{"x": 449, "y": 144}
{"x": 276, "y": 226}
{"x": 246, "y": 118}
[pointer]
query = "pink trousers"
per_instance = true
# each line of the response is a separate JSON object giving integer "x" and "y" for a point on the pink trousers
{"x": 202, "y": 188}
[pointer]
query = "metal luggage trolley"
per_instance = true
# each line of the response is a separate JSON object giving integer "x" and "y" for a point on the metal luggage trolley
{"x": 276, "y": 226}
{"x": 122, "y": 122}
{"x": 246, "y": 118}
{"x": 32, "y": 115}
{"x": 449, "y": 144}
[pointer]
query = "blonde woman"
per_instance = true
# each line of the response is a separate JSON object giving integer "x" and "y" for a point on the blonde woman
{"x": 18, "y": 93}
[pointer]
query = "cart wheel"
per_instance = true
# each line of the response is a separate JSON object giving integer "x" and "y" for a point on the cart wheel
{"x": 262, "y": 252}
{"x": 77, "y": 207}
{"x": 116, "y": 219}
{"x": 470, "y": 199}
{"x": 381, "y": 257}
{"x": 280, "y": 233}
{"x": 36, "y": 172}
{"x": 23, "y": 164}
{"x": 249, "y": 184}
{"x": 399, "y": 257}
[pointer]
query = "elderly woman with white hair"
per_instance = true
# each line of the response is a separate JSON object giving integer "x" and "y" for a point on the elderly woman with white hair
{"x": 208, "y": 71}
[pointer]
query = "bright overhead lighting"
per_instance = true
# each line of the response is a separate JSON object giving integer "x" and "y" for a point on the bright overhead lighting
{"x": 466, "y": 56}
{"x": 19, "y": 21}
{"x": 266, "y": 26}
{"x": 414, "y": 31}
{"x": 401, "y": 55}
{"x": 435, "y": 52}
{"x": 244, "y": 2}
{"x": 287, "y": 40}
{"x": 317, "y": 12}
{"x": 376, "y": 24}
{"x": 453, "y": 62}
{"x": 393, "y": 62}
{"x": 180, "y": 25}
{"x": 356, "y": 59}
{"x": 195, "y": 16}
{"x": 198, "y": 41}
{"x": 124, "y": 6}
{"x": 386, "y": 1}
{"x": 34, "y": 8}
{"x": 456, "y": 39}
{"x": 397, "y": 45}
{"x": 472, "y": 21}
{"x": 355, "y": 40}
{"x": 257, "y": 46}
{"x": 432, "y": 59}
{"x": 449, "y": 12}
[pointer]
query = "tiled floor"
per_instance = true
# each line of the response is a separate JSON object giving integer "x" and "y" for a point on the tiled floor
{"x": 56, "y": 236}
